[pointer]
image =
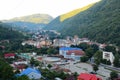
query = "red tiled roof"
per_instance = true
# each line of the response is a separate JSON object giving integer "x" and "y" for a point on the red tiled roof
{"x": 39, "y": 58}
{"x": 76, "y": 52}
{"x": 86, "y": 76}
{"x": 9, "y": 54}
{"x": 20, "y": 66}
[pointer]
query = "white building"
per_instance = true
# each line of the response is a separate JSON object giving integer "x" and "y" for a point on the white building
{"x": 108, "y": 56}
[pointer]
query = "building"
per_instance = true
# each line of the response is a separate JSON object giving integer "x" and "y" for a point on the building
{"x": 31, "y": 73}
{"x": 108, "y": 56}
{"x": 84, "y": 40}
{"x": 9, "y": 55}
{"x": 21, "y": 62}
{"x": 61, "y": 42}
{"x": 27, "y": 56}
{"x": 86, "y": 76}
{"x": 72, "y": 53}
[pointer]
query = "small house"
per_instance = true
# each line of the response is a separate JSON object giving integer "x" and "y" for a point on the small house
{"x": 9, "y": 55}
{"x": 31, "y": 73}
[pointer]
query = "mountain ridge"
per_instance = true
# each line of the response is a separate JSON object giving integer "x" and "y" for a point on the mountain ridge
{"x": 34, "y": 18}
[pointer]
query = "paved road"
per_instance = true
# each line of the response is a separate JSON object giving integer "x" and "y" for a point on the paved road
{"x": 111, "y": 67}
{"x": 84, "y": 67}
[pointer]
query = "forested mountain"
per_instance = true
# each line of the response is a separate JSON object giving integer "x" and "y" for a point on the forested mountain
{"x": 9, "y": 34}
{"x": 99, "y": 23}
{"x": 25, "y": 26}
{"x": 35, "y": 18}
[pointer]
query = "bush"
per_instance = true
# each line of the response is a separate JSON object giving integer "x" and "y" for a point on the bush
{"x": 84, "y": 59}
{"x": 113, "y": 75}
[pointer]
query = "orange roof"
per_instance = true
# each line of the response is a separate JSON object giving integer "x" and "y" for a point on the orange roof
{"x": 86, "y": 76}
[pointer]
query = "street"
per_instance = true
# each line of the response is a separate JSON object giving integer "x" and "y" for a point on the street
{"x": 87, "y": 68}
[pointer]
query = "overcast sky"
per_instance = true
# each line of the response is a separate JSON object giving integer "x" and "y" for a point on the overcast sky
{"x": 16, "y": 8}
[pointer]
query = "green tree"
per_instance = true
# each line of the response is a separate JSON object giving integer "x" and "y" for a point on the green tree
{"x": 32, "y": 61}
{"x": 110, "y": 49}
{"x": 37, "y": 63}
{"x": 83, "y": 46}
{"x": 108, "y": 62}
{"x": 49, "y": 66}
{"x": 113, "y": 75}
{"x": 6, "y": 71}
{"x": 24, "y": 77}
{"x": 89, "y": 52}
{"x": 43, "y": 50}
{"x": 75, "y": 75}
{"x": 84, "y": 59}
{"x": 98, "y": 57}
{"x": 95, "y": 68}
{"x": 104, "y": 61}
{"x": 116, "y": 61}
{"x": 51, "y": 51}
{"x": 95, "y": 47}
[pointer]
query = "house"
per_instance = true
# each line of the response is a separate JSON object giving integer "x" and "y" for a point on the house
{"x": 20, "y": 64}
{"x": 108, "y": 56}
{"x": 31, "y": 73}
{"x": 20, "y": 67}
{"x": 9, "y": 55}
{"x": 84, "y": 40}
{"x": 71, "y": 53}
{"x": 86, "y": 76}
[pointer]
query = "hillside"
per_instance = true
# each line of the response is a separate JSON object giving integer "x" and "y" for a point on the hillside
{"x": 35, "y": 18}
{"x": 25, "y": 26}
{"x": 99, "y": 23}
{"x": 9, "y": 34}
{"x": 74, "y": 12}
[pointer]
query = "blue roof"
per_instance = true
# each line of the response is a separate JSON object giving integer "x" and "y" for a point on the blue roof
{"x": 70, "y": 48}
{"x": 29, "y": 70}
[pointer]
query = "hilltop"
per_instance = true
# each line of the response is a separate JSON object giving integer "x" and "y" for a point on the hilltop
{"x": 35, "y": 18}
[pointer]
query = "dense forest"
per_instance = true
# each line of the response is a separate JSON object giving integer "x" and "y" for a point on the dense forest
{"x": 9, "y": 33}
{"x": 99, "y": 23}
